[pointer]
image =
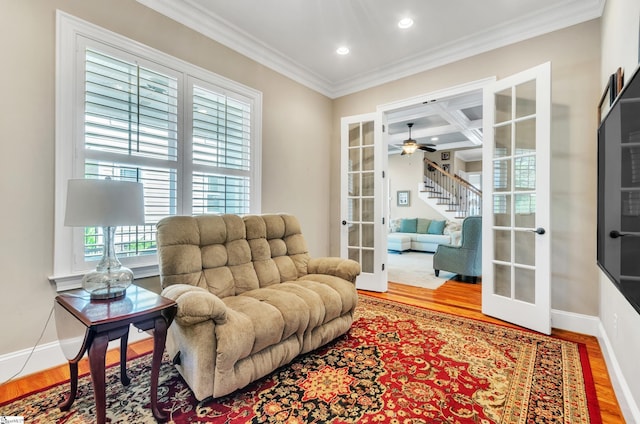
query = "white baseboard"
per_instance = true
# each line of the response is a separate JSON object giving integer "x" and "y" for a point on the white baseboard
{"x": 578, "y": 323}
{"x": 590, "y": 325}
{"x": 626, "y": 401}
{"x": 46, "y": 356}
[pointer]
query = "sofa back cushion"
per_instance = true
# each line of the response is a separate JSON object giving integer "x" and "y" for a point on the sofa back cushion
{"x": 423, "y": 225}
{"x": 436, "y": 227}
{"x": 408, "y": 225}
{"x": 230, "y": 254}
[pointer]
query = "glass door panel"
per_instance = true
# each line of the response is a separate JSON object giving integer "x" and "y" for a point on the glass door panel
{"x": 502, "y": 141}
{"x": 501, "y": 210}
{"x": 525, "y": 99}
{"x": 525, "y": 287}
{"x": 502, "y": 274}
{"x": 502, "y": 245}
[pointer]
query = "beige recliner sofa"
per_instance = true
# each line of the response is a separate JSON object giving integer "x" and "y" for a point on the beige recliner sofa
{"x": 250, "y": 298}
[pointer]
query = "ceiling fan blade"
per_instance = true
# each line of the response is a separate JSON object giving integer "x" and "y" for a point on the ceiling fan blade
{"x": 403, "y": 153}
{"x": 426, "y": 148}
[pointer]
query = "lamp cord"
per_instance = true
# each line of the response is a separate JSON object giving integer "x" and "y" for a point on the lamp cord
{"x": 46, "y": 324}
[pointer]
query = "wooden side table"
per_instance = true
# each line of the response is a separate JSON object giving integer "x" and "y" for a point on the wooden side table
{"x": 83, "y": 324}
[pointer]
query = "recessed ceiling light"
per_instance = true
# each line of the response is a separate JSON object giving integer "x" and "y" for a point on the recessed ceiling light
{"x": 434, "y": 138}
{"x": 405, "y": 23}
{"x": 343, "y": 50}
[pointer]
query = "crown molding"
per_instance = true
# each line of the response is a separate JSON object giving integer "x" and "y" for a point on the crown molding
{"x": 212, "y": 26}
{"x": 550, "y": 19}
{"x": 510, "y": 32}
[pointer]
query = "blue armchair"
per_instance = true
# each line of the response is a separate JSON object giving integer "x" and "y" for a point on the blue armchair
{"x": 466, "y": 259}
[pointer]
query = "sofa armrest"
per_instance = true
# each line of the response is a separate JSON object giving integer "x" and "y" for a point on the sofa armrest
{"x": 195, "y": 304}
{"x": 347, "y": 269}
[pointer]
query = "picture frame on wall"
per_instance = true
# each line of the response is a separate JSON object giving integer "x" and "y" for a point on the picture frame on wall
{"x": 611, "y": 91}
{"x": 446, "y": 167}
{"x": 445, "y": 155}
{"x": 403, "y": 197}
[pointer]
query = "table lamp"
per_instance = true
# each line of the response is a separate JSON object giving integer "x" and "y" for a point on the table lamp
{"x": 107, "y": 204}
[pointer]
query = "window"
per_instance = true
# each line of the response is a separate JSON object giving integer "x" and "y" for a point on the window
{"x": 128, "y": 112}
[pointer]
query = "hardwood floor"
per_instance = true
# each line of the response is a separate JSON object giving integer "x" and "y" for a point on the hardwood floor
{"x": 454, "y": 297}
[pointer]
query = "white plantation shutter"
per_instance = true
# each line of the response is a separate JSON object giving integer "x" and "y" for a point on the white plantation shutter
{"x": 221, "y": 153}
{"x": 131, "y": 134}
{"x": 129, "y": 112}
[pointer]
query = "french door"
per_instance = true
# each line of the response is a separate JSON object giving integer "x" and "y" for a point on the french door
{"x": 516, "y": 271}
{"x": 362, "y": 193}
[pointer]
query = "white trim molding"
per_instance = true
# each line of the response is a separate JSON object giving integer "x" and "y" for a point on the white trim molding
{"x": 628, "y": 405}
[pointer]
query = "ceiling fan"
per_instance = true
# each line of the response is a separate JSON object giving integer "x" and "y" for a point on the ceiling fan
{"x": 410, "y": 145}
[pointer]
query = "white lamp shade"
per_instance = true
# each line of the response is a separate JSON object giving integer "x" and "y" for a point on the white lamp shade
{"x": 104, "y": 203}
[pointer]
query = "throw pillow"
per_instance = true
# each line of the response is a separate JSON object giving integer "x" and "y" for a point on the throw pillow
{"x": 436, "y": 227}
{"x": 394, "y": 226}
{"x": 423, "y": 225}
{"x": 408, "y": 225}
{"x": 452, "y": 227}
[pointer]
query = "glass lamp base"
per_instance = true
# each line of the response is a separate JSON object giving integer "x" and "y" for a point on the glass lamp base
{"x": 108, "y": 284}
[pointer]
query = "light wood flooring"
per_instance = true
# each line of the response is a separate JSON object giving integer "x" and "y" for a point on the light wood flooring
{"x": 458, "y": 298}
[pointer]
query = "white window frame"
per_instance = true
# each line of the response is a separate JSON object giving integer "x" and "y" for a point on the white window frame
{"x": 69, "y": 158}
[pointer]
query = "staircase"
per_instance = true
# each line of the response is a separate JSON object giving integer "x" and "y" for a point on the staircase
{"x": 451, "y": 195}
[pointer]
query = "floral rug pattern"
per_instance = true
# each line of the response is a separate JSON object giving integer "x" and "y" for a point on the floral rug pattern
{"x": 398, "y": 364}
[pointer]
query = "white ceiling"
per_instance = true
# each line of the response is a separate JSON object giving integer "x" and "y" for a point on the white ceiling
{"x": 299, "y": 38}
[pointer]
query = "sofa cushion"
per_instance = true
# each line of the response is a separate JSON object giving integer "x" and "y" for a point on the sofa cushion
{"x": 423, "y": 225}
{"x": 408, "y": 225}
{"x": 436, "y": 227}
{"x": 432, "y": 238}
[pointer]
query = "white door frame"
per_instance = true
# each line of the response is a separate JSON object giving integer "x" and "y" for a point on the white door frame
{"x": 386, "y": 108}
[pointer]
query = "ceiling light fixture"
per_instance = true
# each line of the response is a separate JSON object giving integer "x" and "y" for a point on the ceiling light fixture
{"x": 409, "y": 146}
{"x": 342, "y": 50}
{"x": 405, "y": 23}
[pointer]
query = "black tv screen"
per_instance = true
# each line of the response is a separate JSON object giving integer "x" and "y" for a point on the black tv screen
{"x": 619, "y": 192}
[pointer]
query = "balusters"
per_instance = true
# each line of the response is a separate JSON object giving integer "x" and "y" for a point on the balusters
{"x": 457, "y": 193}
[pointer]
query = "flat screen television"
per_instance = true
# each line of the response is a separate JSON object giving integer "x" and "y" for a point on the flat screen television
{"x": 619, "y": 192}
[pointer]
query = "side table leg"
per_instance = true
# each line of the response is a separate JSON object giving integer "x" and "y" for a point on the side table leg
{"x": 159, "y": 338}
{"x": 124, "y": 341}
{"x": 73, "y": 371}
{"x": 97, "y": 353}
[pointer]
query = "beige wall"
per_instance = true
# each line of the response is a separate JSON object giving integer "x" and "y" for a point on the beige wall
{"x": 406, "y": 173}
{"x": 620, "y": 321}
{"x": 475, "y": 166}
{"x": 575, "y": 57}
{"x": 296, "y": 137}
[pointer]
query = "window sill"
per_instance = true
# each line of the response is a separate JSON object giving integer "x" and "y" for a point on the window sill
{"x": 70, "y": 282}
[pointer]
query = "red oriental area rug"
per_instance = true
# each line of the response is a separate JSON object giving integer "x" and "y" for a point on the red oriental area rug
{"x": 398, "y": 364}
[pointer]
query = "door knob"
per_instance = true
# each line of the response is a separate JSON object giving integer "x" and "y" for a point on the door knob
{"x": 538, "y": 230}
{"x": 616, "y": 234}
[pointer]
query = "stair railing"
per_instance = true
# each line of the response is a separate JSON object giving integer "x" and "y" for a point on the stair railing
{"x": 451, "y": 190}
